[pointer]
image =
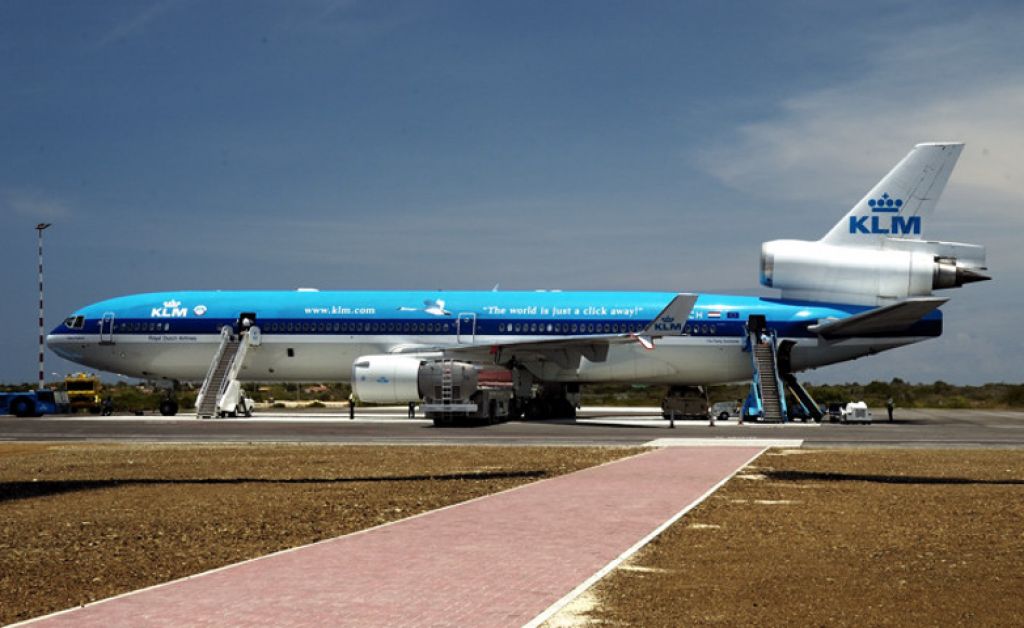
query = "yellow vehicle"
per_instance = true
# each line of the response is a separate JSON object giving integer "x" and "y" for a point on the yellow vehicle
{"x": 83, "y": 392}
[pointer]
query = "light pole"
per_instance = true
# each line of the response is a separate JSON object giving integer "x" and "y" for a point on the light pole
{"x": 42, "y": 326}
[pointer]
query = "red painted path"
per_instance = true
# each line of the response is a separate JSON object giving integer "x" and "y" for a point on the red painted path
{"x": 500, "y": 560}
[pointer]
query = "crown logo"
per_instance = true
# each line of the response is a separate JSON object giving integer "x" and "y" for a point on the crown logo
{"x": 885, "y": 204}
{"x": 172, "y": 304}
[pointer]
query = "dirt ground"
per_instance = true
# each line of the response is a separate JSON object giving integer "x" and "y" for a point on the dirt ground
{"x": 83, "y": 522}
{"x": 816, "y": 538}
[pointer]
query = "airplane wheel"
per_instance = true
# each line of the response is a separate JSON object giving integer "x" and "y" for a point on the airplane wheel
{"x": 168, "y": 407}
{"x": 22, "y": 408}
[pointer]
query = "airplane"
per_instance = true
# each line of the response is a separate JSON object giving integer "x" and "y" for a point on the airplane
{"x": 866, "y": 286}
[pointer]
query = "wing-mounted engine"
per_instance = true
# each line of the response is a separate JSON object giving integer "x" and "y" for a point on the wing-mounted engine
{"x": 449, "y": 390}
{"x": 891, "y": 270}
{"x": 405, "y": 379}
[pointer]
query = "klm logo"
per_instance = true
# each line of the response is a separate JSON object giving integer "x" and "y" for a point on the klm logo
{"x": 171, "y": 309}
{"x": 879, "y": 223}
{"x": 667, "y": 324}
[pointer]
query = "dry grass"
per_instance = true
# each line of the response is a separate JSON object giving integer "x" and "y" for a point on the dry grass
{"x": 83, "y": 522}
{"x": 837, "y": 538}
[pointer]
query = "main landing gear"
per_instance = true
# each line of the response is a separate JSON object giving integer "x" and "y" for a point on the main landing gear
{"x": 169, "y": 404}
{"x": 552, "y": 401}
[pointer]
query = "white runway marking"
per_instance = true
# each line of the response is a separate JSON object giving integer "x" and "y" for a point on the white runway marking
{"x": 726, "y": 442}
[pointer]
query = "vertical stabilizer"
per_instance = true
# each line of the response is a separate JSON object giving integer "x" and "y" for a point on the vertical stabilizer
{"x": 898, "y": 205}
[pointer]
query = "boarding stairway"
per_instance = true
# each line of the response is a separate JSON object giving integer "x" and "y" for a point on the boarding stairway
{"x": 221, "y": 389}
{"x": 773, "y": 378}
{"x": 767, "y": 399}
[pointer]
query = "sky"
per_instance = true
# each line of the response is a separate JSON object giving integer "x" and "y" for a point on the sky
{"x": 575, "y": 145}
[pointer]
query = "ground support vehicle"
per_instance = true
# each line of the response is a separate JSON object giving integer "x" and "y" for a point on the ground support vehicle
{"x": 856, "y": 412}
{"x": 83, "y": 392}
{"x": 454, "y": 393}
{"x": 725, "y": 409}
{"x": 686, "y": 402}
{"x": 34, "y": 403}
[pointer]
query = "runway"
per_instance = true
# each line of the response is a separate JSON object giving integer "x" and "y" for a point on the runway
{"x": 936, "y": 428}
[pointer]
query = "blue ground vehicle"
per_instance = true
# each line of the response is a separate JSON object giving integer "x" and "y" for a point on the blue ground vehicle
{"x": 34, "y": 402}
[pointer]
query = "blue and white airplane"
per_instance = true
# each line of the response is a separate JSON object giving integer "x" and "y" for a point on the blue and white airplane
{"x": 865, "y": 287}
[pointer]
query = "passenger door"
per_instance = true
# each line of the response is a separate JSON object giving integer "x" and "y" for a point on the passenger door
{"x": 465, "y": 328}
{"x": 107, "y": 329}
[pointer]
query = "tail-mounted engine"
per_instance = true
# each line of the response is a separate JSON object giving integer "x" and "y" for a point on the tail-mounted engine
{"x": 888, "y": 270}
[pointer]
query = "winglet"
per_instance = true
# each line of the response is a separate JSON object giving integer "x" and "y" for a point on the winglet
{"x": 670, "y": 321}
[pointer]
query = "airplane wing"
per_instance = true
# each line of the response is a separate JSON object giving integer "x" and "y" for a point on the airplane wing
{"x": 882, "y": 320}
{"x": 567, "y": 352}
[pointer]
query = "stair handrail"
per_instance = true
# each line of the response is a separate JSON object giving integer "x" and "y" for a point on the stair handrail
{"x": 225, "y": 338}
{"x": 778, "y": 379}
{"x": 236, "y": 365}
{"x": 755, "y": 384}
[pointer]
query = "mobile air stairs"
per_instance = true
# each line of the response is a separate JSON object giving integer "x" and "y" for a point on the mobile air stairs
{"x": 222, "y": 394}
{"x": 772, "y": 378}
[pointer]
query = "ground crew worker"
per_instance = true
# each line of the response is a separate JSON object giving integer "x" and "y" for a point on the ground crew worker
{"x": 889, "y": 405}
{"x": 412, "y": 409}
{"x": 351, "y": 406}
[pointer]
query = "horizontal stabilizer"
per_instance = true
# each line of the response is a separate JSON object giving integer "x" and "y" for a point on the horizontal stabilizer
{"x": 893, "y": 318}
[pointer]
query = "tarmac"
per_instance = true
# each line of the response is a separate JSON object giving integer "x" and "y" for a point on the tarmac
{"x": 936, "y": 428}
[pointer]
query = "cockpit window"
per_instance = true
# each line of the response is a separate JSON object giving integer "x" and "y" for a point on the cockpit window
{"x": 74, "y": 322}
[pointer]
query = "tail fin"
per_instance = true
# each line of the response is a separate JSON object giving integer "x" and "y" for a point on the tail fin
{"x": 896, "y": 206}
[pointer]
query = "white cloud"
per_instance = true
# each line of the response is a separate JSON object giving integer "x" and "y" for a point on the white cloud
{"x": 951, "y": 82}
{"x": 137, "y": 23}
{"x": 34, "y": 204}
{"x": 959, "y": 81}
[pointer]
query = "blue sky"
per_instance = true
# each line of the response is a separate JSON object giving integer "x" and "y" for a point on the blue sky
{"x": 456, "y": 145}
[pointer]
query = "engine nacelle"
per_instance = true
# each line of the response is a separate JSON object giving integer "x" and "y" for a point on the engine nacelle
{"x": 895, "y": 269}
{"x": 404, "y": 379}
{"x": 386, "y": 378}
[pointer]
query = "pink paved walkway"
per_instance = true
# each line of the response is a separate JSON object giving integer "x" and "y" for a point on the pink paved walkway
{"x": 497, "y": 561}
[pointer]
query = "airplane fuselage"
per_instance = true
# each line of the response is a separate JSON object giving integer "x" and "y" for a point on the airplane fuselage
{"x": 316, "y": 336}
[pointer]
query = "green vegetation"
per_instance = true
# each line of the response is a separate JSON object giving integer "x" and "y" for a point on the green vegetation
{"x": 127, "y": 397}
{"x": 905, "y": 395}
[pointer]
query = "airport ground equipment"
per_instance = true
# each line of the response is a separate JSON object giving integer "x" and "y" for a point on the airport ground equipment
{"x": 34, "y": 403}
{"x": 725, "y": 409}
{"x": 805, "y": 404}
{"x": 222, "y": 394}
{"x": 856, "y": 412}
{"x": 686, "y": 402}
{"x": 83, "y": 392}
{"x": 767, "y": 399}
